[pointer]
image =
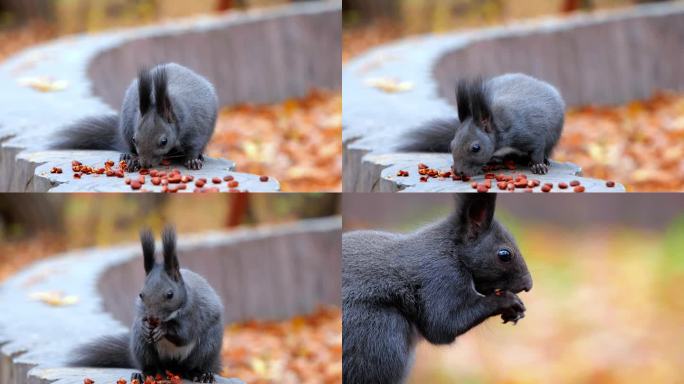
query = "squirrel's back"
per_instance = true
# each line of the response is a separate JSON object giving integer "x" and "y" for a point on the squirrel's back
{"x": 192, "y": 96}
{"x": 203, "y": 294}
{"x": 524, "y": 104}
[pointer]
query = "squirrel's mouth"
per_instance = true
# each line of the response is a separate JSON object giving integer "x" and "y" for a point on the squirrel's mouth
{"x": 468, "y": 171}
{"x": 489, "y": 288}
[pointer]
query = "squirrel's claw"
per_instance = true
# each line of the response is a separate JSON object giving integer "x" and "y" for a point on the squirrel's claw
{"x": 157, "y": 333}
{"x": 132, "y": 162}
{"x": 517, "y": 316}
{"x": 206, "y": 377}
{"x": 194, "y": 164}
{"x": 539, "y": 169}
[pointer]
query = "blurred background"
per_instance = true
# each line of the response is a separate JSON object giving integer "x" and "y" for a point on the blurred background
{"x": 297, "y": 140}
{"x": 36, "y": 226}
{"x": 369, "y": 23}
{"x": 605, "y": 307}
{"x": 638, "y": 144}
{"x": 302, "y": 349}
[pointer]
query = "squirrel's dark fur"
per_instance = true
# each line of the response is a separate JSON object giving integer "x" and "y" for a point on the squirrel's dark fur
{"x": 167, "y": 112}
{"x": 434, "y": 284}
{"x": 178, "y": 324}
{"x": 508, "y": 114}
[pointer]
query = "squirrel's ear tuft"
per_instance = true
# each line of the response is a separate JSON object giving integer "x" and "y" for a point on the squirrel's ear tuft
{"x": 479, "y": 105}
{"x": 463, "y": 100}
{"x": 144, "y": 90}
{"x": 171, "y": 264}
{"x": 161, "y": 96}
{"x": 475, "y": 213}
{"x": 147, "y": 241}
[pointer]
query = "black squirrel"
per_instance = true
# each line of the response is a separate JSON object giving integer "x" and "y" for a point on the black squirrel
{"x": 169, "y": 111}
{"x": 511, "y": 114}
{"x": 178, "y": 325}
{"x": 435, "y": 284}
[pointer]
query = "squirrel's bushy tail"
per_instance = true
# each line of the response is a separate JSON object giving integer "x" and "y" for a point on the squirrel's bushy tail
{"x": 105, "y": 352}
{"x": 97, "y": 132}
{"x": 435, "y": 136}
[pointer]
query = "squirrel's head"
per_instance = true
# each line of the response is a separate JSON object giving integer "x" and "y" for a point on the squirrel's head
{"x": 473, "y": 144}
{"x": 157, "y": 132}
{"x": 164, "y": 291}
{"x": 486, "y": 249}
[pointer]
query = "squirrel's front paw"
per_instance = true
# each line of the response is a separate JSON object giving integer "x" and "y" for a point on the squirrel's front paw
{"x": 511, "y": 308}
{"x": 151, "y": 329}
{"x": 132, "y": 163}
{"x": 206, "y": 377}
{"x": 539, "y": 169}
{"x": 147, "y": 332}
{"x": 137, "y": 376}
{"x": 195, "y": 164}
{"x": 157, "y": 334}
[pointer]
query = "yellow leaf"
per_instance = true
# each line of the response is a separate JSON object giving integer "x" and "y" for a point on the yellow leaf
{"x": 389, "y": 85}
{"x": 54, "y": 298}
{"x": 44, "y": 84}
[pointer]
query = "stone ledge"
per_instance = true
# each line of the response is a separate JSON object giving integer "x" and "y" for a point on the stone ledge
{"x": 43, "y": 180}
{"x": 390, "y": 182}
{"x": 374, "y": 121}
{"x": 271, "y": 272}
{"x": 98, "y": 67}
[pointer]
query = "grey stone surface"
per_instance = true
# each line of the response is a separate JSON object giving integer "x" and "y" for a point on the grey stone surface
{"x": 35, "y": 337}
{"x": 293, "y": 54}
{"x": 390, "y": 182}
{"x": 43, "y": 180}
{"x": 605, "y": 58}
{"x": 98, "y": 375}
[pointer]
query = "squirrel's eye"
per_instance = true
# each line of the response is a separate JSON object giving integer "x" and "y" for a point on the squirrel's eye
{"x": 163, "y": 141}
{"x": 475, "y": 148}
{"x": 133, "y": 140}
{"x": 505, "y": 255}
{"x": 169, "y": 295}
{"x": 141, "y": 296}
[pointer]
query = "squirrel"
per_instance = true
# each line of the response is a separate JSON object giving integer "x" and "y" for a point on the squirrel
{"x": 167, "y": 112}
{"x": 435, "y": 284}
{"x": 512, "y": 114}
{"x": 178, "y": 325}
